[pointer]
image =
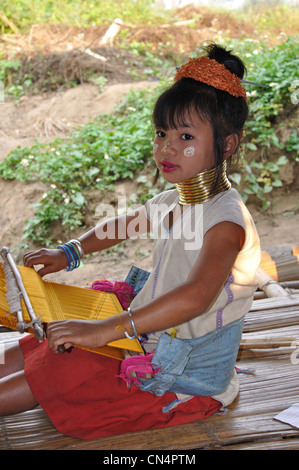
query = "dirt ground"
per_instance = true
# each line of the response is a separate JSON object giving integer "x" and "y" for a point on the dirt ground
{"x": 53, "y": 114}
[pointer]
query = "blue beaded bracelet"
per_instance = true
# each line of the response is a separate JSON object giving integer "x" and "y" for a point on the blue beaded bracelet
{"x": 61, "y": 247}
{"x": 72, "y": 255}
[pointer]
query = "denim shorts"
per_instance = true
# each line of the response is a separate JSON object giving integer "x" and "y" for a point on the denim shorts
{"x": 200, "y": 366}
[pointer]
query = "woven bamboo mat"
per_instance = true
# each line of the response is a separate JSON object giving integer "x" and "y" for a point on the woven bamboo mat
{"x": 270, "y": 337}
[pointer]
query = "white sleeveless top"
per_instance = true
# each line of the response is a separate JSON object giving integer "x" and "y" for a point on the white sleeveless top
{"x": 177, "y": 249}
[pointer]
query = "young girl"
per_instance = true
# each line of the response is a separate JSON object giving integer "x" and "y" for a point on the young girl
{"x": 190, "y": 311}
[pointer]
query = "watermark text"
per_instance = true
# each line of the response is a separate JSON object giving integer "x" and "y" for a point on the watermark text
{"x": 185, "y": 223}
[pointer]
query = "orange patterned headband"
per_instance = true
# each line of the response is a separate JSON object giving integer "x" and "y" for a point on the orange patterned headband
{"x": 212, "y": 73}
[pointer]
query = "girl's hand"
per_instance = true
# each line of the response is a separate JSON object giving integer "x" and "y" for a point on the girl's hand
{"x": 52, "y": 260}
{"x": 70, "y": 332}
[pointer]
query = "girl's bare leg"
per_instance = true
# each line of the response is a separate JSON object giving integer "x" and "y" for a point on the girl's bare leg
{"x": 13, "y": 359}
{"x": 15, "y": 394}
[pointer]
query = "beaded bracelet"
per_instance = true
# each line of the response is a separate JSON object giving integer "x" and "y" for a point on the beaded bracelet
{"x": 74, "y": 253}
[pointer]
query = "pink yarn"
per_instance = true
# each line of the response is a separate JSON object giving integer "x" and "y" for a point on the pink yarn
{"x": 140, "y": 365}
{"x": 123, "y": 291}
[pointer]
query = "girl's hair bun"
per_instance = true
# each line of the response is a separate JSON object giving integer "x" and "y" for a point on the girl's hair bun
{"x": 233, "y": 63}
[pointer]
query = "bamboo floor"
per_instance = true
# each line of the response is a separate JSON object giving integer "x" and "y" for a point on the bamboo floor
{"x": 269, "y": 346}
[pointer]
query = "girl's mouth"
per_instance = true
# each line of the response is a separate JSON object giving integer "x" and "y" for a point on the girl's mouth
{"x": 167, "y": 166}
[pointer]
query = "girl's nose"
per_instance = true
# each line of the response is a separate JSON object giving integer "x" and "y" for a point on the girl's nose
{"x": 164, "y": 149}
{"x": 168, "y": 147}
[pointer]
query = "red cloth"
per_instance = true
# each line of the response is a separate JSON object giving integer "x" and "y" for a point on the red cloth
{"x": 84, "y": 398}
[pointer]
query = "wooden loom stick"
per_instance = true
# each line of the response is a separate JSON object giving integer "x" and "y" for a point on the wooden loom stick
{"x": 34, "y": 321}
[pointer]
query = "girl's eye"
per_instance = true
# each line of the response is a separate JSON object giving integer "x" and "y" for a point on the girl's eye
{"x": 160, "y": 134}
{"x": 187, "y": 137}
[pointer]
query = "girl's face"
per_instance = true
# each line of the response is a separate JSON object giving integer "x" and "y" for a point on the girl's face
{"x": 183, "y": 152}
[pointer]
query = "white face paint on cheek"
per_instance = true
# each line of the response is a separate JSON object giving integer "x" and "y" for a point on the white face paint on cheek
{"x": 155, "y": 148}
{"x": 189, "y": 151}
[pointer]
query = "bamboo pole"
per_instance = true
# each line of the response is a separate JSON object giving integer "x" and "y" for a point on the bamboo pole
{"x": 270, "y": 287}
{"x": 281, "y": 262}
{"x": 267, "y": 342}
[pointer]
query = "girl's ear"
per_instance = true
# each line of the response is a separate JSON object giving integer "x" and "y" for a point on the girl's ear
{"x": 231, "y": 144}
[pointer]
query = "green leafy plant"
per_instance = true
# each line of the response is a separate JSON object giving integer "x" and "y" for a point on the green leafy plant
{"x": 113, "y": 147}
{"x": 292, "y": 145}
{"x": 270, "y": 107}
{"x": 259, "y": 179}
{"x": 8, "y": 76}
{"x": 276, "y": 68}
{"x": 24, "y": 13}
